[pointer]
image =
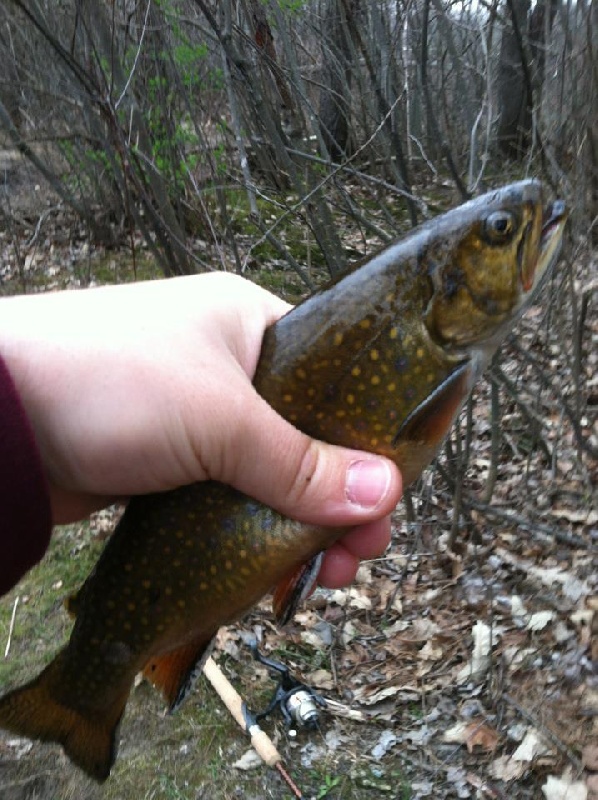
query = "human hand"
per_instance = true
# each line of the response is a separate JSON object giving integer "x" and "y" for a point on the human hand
{"x": 144, "y": 387}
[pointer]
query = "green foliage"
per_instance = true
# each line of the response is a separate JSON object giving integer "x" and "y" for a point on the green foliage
{"x": 329, "y": 783}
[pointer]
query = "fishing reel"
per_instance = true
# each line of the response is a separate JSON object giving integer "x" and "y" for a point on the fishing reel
{"x": 298, "y": 703}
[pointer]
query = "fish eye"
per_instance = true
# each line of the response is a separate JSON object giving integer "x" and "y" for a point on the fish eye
{"x": 499, "y": 226}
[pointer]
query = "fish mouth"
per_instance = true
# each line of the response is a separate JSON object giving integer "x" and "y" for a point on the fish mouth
{"x": 549, "y": 244}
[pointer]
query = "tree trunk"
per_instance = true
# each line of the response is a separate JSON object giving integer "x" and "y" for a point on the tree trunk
{"x": 335, "y": 97}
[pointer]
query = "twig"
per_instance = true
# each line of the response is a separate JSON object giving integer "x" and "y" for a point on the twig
{"x": 546, "y": 732}
{"x": 12, "y": 625}
{"x": 545, "y": 533}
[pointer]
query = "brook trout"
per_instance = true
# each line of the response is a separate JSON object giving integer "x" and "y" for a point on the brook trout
{"x": 382, "y": 360}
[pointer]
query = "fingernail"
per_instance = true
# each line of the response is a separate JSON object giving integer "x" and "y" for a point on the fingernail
{"x": 367, "y": 482}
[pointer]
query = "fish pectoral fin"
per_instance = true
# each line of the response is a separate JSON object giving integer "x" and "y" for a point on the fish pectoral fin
{"x": 37, "y": 711}
{"x": 431, "y": 420}
{"x": 294, "y": 589}
{"x": 175, "y": 672}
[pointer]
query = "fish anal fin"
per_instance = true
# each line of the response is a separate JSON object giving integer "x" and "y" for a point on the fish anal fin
{"x": 430, "y": 422}
{"x": 176, "y": 671}
{"x": 36, "y": 711}
{"x": 295, "y": 588}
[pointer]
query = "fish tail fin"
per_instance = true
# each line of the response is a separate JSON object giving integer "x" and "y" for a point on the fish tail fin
{"x": 35, "y": 711}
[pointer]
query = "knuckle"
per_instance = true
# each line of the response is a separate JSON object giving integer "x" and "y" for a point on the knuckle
{"x": 304, "y": 481}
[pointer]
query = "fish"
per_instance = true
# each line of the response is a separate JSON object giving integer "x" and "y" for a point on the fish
{"x": 381, "y": 359}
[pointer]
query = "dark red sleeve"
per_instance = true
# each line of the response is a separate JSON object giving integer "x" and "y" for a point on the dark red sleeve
{"x": 25, "y": 515}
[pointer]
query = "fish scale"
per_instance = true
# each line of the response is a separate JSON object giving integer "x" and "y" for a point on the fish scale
{"x": 381, "y": 360}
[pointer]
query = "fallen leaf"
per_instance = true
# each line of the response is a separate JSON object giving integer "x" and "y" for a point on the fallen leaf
{"x": 480, "y": 659}
{"x": 532, "y": 746}
{"x": 475, "y": 735}
{"x": 505, "y": 769}
{"x": 589, "y": 757}
{"x": 538, "y": 621}
{"x": 564, "y": 789}
{"x": 249, "y": 760}
{"x": 386, "y": 741}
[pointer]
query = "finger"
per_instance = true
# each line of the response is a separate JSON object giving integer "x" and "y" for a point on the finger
{"x": 306, "y": 479}
{"x": 341, "y": 561}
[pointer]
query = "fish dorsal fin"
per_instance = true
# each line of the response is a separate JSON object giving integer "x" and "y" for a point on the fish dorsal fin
{"x": 293, "y": 589}
{"x": 431, "y": 420}
{"x": 175, "y": 672}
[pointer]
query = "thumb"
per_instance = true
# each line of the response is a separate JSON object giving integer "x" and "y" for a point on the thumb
{"x": 306, "y": 479}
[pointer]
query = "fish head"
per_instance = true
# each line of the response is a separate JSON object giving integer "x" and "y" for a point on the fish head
{"x": 488, "y": 262}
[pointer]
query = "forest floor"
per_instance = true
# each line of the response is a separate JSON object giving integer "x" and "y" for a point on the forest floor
{"x": 463, "y": 664}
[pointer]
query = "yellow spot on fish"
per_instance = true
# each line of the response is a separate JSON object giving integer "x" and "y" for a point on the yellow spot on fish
{"x": 288, "y": 398}
{"x": 420, "y": 352}
{"x": 168, "y": 590}
{"x": 311, "y": 391}
{"x": 228, "y": 564}
{"x": 301, "y": 373}
{"x": 242, "y": 553}
{"x": 375, "y": 380}
{"x": 341, "y": 413}
{"x": 179, "y": 534}
{"x": 181, "y": 603}
{"x": 365, "y": 324}
{"x": 203, "y": 586}
{"x": 394, "y": 333}
{"x": 245, "y": 571}
{"x": 350, "y": 399}
{"x": 213, "y": 570}
{"x": 146, "y": 584}
{"x": 391, "y": 387}
{"x": 430, "y": 377}
{"x": 374, "y": 354}
{"x": 131, "y": 606}
{"x": 374, "y": 441}
{"x": 356, "y": 372}
{"x": 337, "y": 362}
{"x": 337, "y": 339}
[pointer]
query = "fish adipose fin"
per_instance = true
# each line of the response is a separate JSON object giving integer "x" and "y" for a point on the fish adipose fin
{"x": 175, "y": 672}
{"x": 36, "y": 712}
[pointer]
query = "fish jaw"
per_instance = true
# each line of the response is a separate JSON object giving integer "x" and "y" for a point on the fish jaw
{"x": 549, "y": 242}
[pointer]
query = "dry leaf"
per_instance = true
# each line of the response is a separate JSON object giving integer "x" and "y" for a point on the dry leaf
{"x": 480, "y": 659}
{"x": 564, "y": 789}
{"x": 589, "y": 757}
{"x": 475, "y": 735}
{"x": 538, "y": 621}
{"x": 249, "y": 760}
{"x": 505, "y": 769}
{"x": 532, "y": 746}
